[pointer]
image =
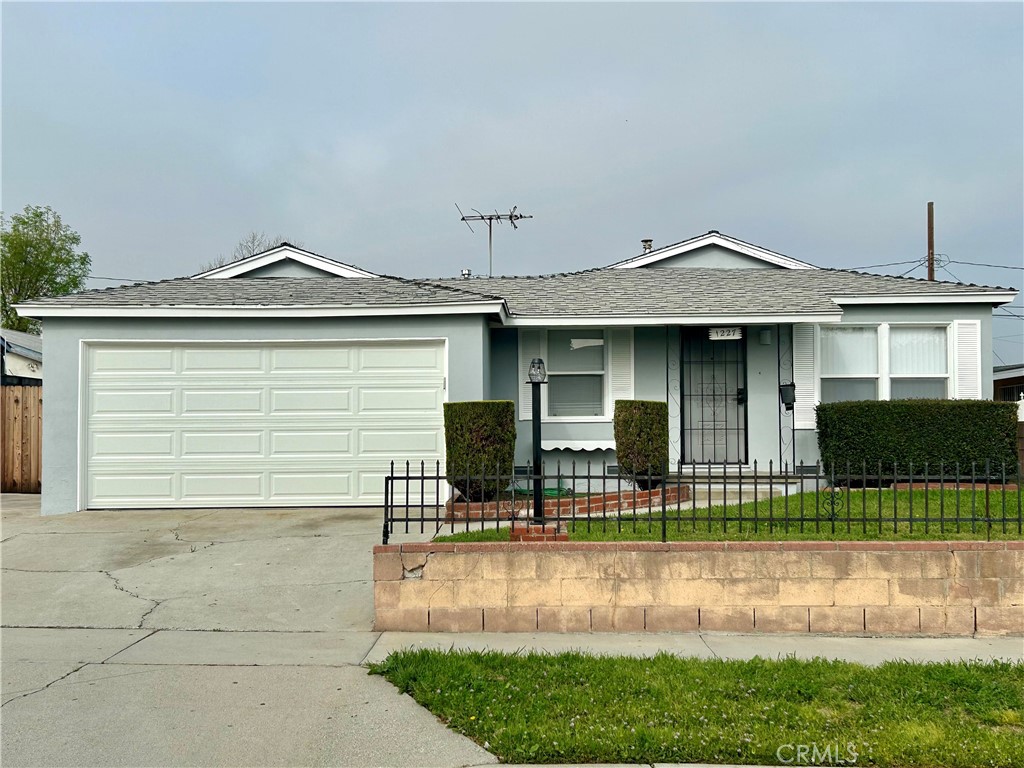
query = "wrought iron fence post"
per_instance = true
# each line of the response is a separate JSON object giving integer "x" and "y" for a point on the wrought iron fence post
{"x": 385, "y": 534}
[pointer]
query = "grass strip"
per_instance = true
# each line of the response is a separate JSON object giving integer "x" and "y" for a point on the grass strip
{"x": 849, "y": 515}
{"x": 578, "y": 708}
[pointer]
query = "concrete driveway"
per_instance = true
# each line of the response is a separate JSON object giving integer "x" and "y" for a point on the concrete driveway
{"x": 200, "y": 637}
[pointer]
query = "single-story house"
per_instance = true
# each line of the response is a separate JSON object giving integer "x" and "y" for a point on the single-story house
{"x": 21, "y": 358}
{"x": 290, "y": 379}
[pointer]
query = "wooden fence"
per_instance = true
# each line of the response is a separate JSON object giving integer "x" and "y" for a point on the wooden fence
{"x": 21, "y": 419}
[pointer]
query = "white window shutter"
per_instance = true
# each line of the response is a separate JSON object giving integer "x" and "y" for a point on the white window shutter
{"x": 529, "y": 348}
{"x": 803, "y": 376}
{"x": 620, "y": 365}
{"x": 968, "y": 359}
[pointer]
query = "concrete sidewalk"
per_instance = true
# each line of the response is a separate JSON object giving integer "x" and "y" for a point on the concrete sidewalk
{"x": 171, "y": 697}
{"x": 863, "y": 650}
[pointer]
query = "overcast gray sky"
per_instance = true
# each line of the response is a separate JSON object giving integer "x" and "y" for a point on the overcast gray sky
{"x": 163, "y": 133}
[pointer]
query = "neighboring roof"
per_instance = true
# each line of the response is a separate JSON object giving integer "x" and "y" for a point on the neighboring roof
{"x": 630, "y": 297}
{"x": 1001, "y": 372}
{"x": 279, "y": 253}
{"x": 713, "y": 237}
{"x": 25, "y": 344}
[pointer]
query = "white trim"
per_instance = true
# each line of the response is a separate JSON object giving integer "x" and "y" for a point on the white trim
{"x": 713, "y": 238}
{"x": 884, "y": 389}
{"x": 994, "y": 297}
{"x": 279, "y": 253}
{"x": 577, "y": 445}
{"x": 267, "y": 310}
{"x": 80, "y": 476}
{"x": 583, "y": 321}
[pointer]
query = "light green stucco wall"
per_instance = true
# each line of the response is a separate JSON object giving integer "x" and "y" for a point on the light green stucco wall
{"x": 288, "y": 268}
{"x": 713, "y": 256}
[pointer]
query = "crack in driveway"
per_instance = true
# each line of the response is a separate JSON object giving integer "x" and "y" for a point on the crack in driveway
{"x": 117, "y": 586}
{"x": 52, "y": 682}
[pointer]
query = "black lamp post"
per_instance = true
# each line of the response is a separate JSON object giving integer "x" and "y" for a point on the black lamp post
{"x": 537, "y": 375}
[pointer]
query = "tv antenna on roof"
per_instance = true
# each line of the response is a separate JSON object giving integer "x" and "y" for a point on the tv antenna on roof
{"x": 511, "y": 217}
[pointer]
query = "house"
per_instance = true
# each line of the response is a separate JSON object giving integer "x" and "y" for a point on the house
{"x": 1008, "y": 382}
{"x": 21, "y": 358}
{"x": 288, "y": 379}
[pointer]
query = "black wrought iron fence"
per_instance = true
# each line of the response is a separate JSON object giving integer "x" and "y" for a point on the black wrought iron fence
{"x": 709, "y": 501}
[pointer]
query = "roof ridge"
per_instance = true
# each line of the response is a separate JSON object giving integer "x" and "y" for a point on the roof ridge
{"x": 421, "y": 282}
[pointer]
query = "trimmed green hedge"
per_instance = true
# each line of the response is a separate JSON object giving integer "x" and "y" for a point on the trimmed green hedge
{"x": 918, "y": 431}
{"x": 480, "y": 438}
{"x": 641, "y": 439}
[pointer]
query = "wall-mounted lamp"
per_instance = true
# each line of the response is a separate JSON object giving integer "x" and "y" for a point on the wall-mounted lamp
{"x": 764, "y": 337}
{"x": 787, "y": 394}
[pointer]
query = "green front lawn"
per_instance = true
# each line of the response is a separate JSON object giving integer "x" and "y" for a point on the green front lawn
{"x": 859, "y": 515}
{"x": 571, "y": 707}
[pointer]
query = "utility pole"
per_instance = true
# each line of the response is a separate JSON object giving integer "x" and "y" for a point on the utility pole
{"x": 931, "y": 241}
{"x": 511, "y": 217}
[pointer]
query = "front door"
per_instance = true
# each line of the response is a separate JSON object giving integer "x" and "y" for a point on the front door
{"x": 714, "y": 396}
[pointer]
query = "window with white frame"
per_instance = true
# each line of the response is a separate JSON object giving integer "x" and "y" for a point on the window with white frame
{"x": 576, "y": 362}
{"x": 918, "y": 362}
{"x": 883, "y": 362}
{"x": 849, "y": 363}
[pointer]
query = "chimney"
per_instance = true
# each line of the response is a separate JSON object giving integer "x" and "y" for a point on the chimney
{"x": 647, "y": 244}
{"x": 466, "y": 274}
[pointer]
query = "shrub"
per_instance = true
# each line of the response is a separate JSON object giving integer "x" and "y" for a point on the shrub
{"x": 641, "y": 440}
{"x": 480, "y": 440}
{"x": 918, "y": 431}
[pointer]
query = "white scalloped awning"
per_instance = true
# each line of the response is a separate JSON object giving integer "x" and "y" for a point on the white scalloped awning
{"x": 577, "y": 445}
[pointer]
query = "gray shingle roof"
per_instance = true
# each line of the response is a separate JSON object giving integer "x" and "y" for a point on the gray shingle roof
{"x": 276, "y": 291}
{"x": 697, "y": 291}
{"x": 602, "y": 292}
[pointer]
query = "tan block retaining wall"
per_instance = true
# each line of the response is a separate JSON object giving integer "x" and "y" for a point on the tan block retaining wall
{"x": 872, "y": 588}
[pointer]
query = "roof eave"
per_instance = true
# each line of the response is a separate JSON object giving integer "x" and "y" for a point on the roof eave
{"x": 668, "y": 319}
{"x": 41, "y": 311}
{"x": 996, "y": 298}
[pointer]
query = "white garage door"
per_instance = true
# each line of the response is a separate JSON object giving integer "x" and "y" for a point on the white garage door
{"x": 282, "y": 424}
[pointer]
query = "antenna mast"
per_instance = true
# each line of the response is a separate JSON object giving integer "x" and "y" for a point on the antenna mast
{"x": 511, "y": 217}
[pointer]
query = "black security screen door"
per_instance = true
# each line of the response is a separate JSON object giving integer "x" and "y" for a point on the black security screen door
{"x": 714, "y": 396}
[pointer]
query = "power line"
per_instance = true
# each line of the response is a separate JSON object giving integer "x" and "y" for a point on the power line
{"x": 977, "y": 264}
{"x": 890, "y": 264}
{"x": 118, "y": 279}
{"x": 946, "y": 270}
